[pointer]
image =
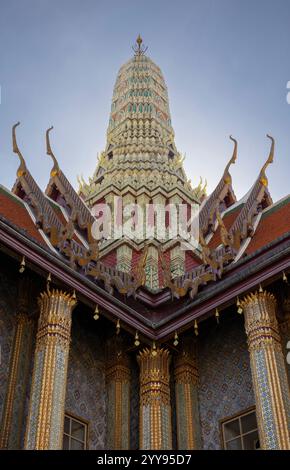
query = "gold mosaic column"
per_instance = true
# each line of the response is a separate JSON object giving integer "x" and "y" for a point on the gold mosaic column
{"x": 186, "y": 393}
{"x": 118, "y": 393}
{"x": 155, "y": 409}
{"x": 13, "y": 410}
{"x": 46, "y": 410}
{"x": 268, "y": 370}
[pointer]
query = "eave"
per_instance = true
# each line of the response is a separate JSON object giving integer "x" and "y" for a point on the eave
{"x": 263, "y": 266}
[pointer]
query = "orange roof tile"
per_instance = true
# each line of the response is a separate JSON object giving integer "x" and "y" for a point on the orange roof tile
{"x": 274, "y": 222}
{"x": 13, "y": 210}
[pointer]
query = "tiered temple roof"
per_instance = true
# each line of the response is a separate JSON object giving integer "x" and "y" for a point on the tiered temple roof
{"x": 241, "y": 242}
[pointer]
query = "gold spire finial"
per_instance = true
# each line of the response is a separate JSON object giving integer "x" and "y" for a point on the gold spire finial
{"x": 227, "y": 176}
{"x": 234, "y": 156}
{"x": 22, "y": 168}
{"x": 138, "y": 48}
{"x": 270, "y": 159}
{"x": 55, "y": 169}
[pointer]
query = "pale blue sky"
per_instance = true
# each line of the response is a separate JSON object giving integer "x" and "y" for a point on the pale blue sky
{"x": 226, "y": 64}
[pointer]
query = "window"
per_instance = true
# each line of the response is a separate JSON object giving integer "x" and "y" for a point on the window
{"x": 75, "y": 434}
{"x": 240, "y": 432}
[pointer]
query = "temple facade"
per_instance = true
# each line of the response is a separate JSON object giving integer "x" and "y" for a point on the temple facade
{"x": 140, "y": 312}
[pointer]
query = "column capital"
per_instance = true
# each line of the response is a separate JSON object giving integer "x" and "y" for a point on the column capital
{"x": 118, "y": 373}
{"x": 55, "y": 315}
{"x": 260, "y": 319}
{"x": 23, "y": 318}
{"x": 118, "y": 367}
{"x": 61, "y": 302}
{"x": 150, "y": 357}
{"x": 258, "y": 296}
{"x": 185, "y": 367}
{"x": 154, "y": 373}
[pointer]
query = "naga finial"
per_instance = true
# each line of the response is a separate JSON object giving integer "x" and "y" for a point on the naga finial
{"x": 203, "y": 191}
{"x": 55, "y": 170}
{"x": 200, "y": 190}
{"x": 227, "y": 176}
{"x": 22, "y": 168}
{"x": 83, "y": 180}
{"x": 270, "y": 159}
{"x": 139, "y": 49}
{"x": 79, "y": 182}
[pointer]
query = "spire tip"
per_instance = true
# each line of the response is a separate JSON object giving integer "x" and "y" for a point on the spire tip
{"x": 139, "y": 48}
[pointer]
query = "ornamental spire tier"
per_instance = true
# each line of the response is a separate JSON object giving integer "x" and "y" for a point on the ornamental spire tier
{"x": 140, "y": 147}
{"x": 141, "y": 165}
{"x": 140, "y": 119}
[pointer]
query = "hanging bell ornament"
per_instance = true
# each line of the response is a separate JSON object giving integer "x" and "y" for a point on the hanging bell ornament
{"x": 96, "y": 313}
{"x": 176, "y": 340}
{"x": 22, "y": 265}
{"x": 137, "y": 342}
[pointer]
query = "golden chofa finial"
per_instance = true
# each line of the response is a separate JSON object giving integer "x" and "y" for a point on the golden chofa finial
{"x": 139, "y": 49}
{"x": 55, "y": 169}
{"x": 270, "y": 159}
{"x": 22, "y": 168}
{"x": 200, "y": 190}
{"x": 227, "y": 176}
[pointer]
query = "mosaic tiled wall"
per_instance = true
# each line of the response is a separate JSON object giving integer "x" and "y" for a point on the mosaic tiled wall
{"x": 173, "y": 408}
{"x": 7, "y": 327}
{"x": 225, "y": 376}
{"x": 285, "y": 339}
{"x": 21, "y": 407}
{"x": 282, "y": 294}
{"x": 134, "y": 405}
{"x": 86, "y": 391}
{"x": 8, "y": 309}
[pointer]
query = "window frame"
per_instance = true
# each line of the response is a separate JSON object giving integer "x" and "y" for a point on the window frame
{"x": 82, "y": 421}
{"x": 237, "y": 416}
